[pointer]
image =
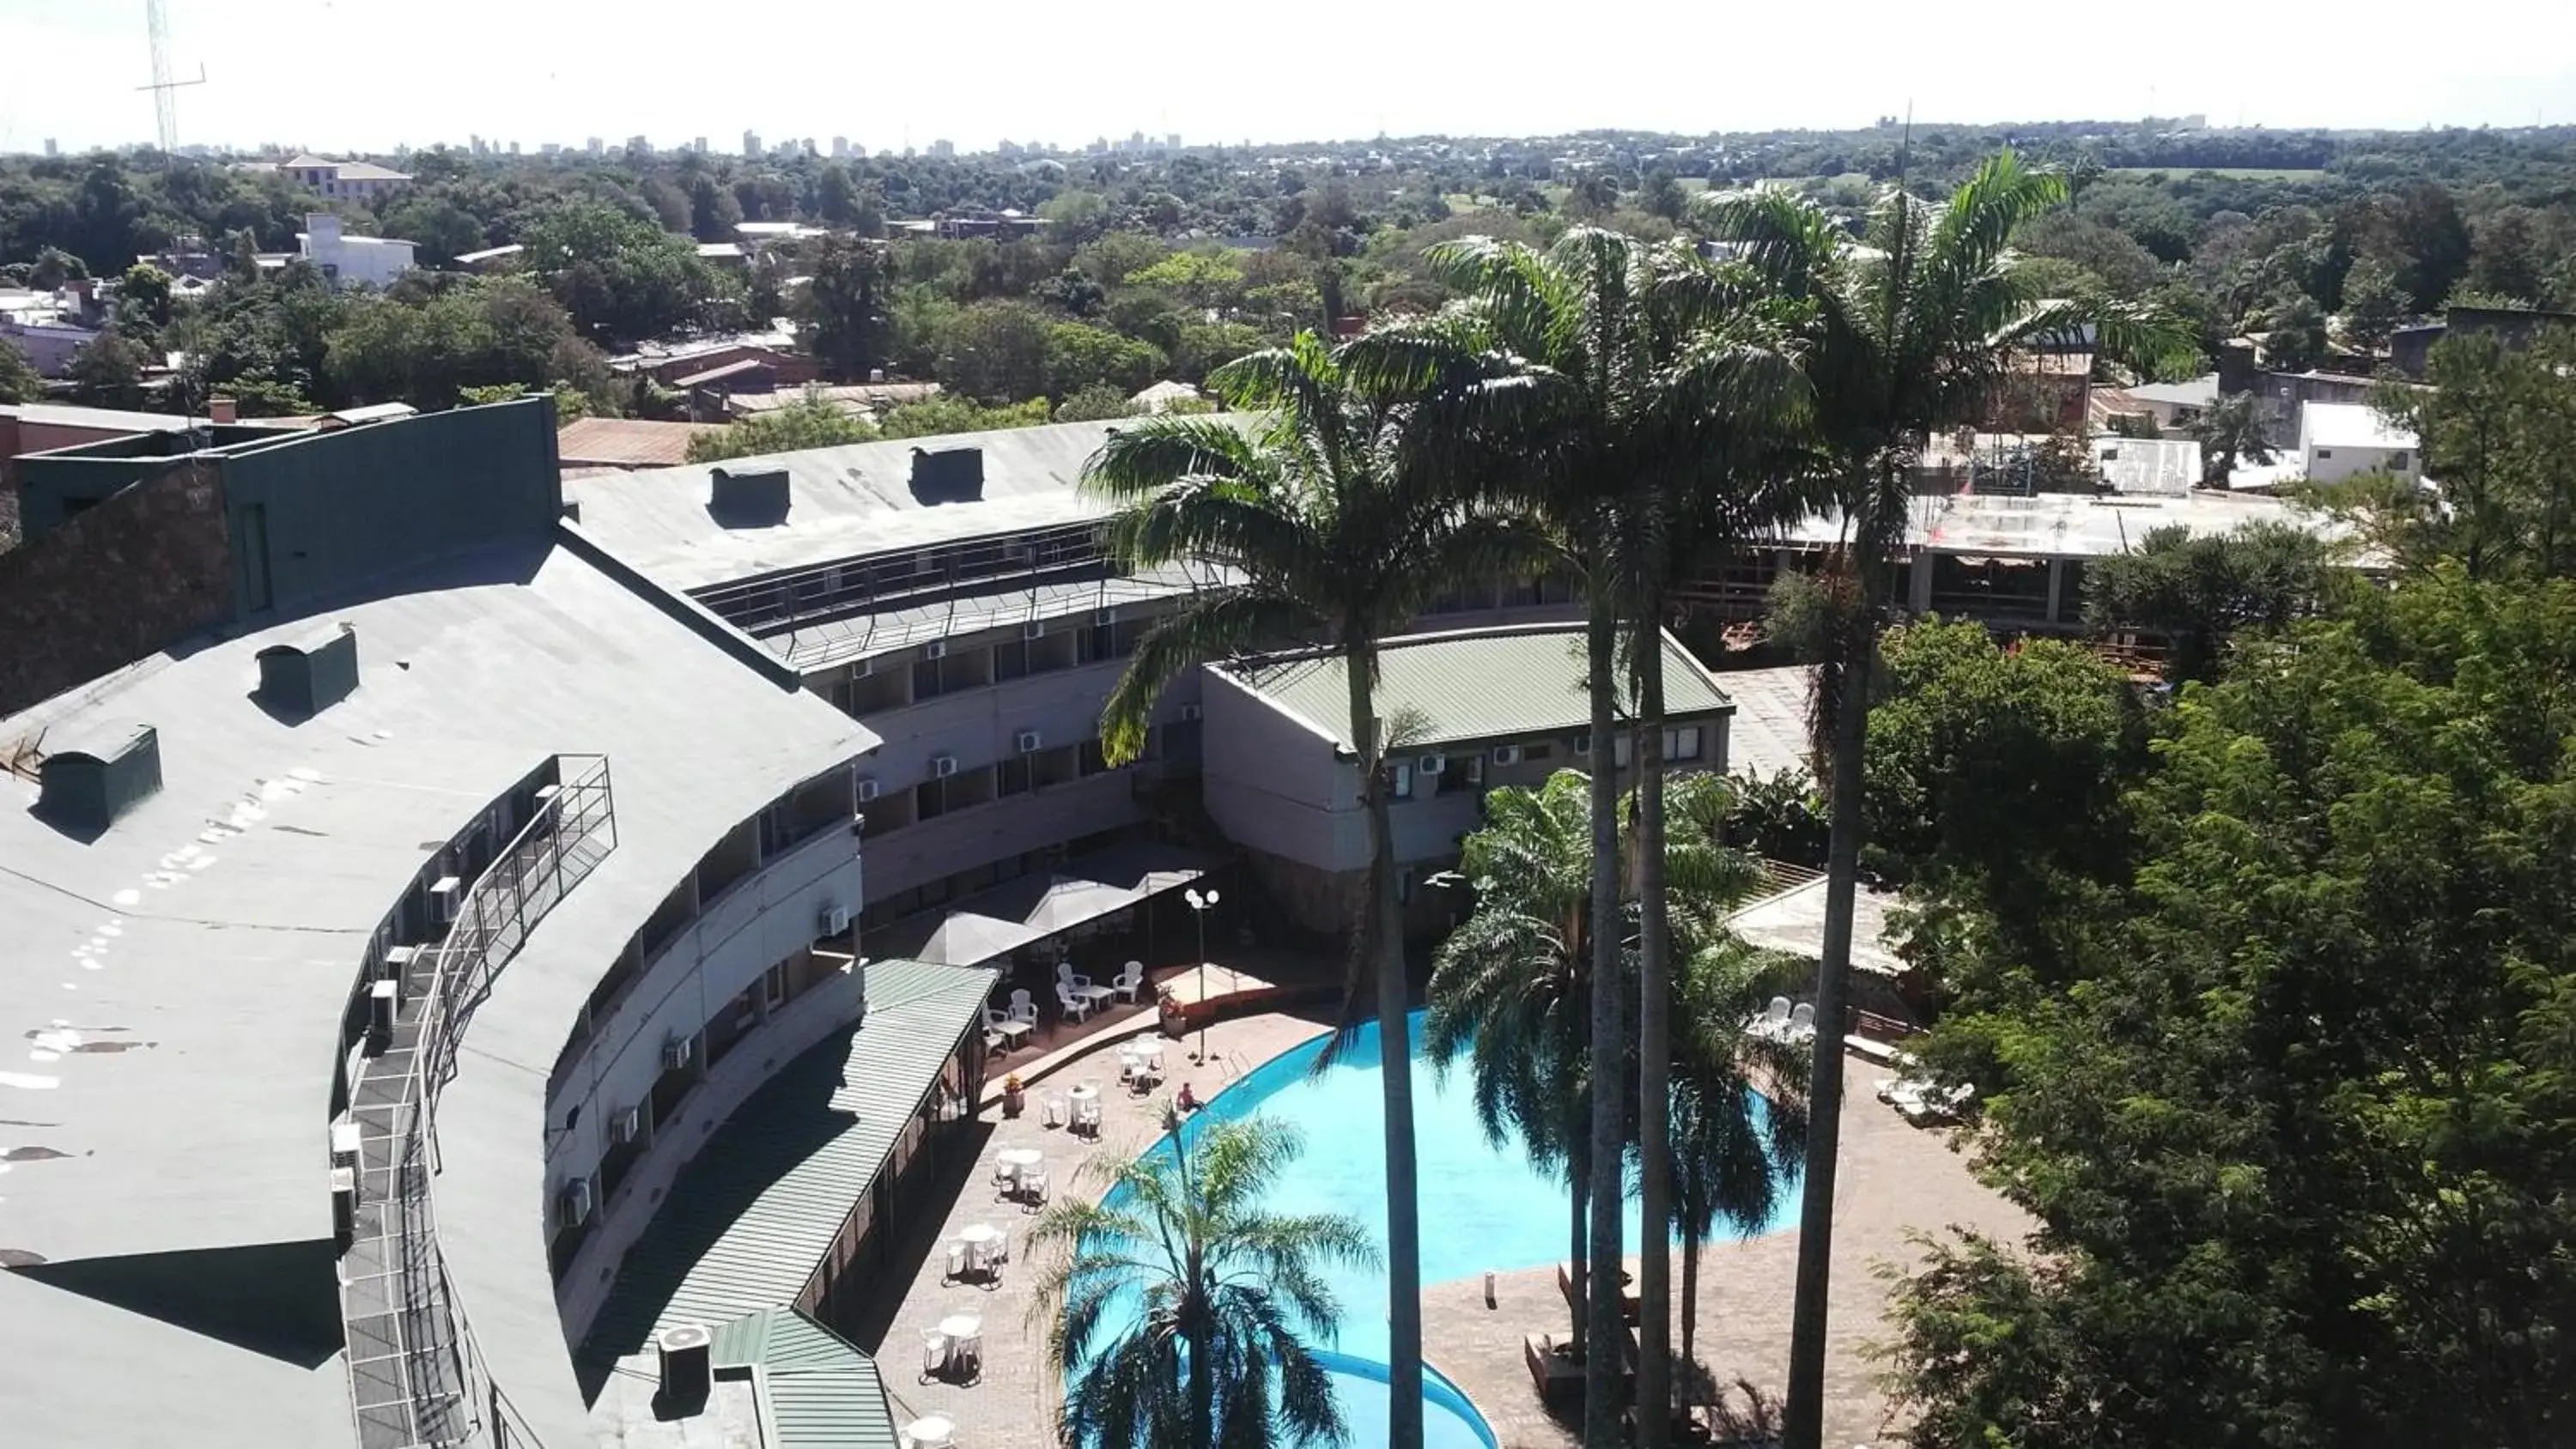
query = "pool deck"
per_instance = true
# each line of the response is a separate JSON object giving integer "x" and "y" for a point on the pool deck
{"x": 1895, "y": 1180}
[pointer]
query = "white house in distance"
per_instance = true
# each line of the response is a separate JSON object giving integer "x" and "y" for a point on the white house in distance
{"x": 354, "y": 180}
{"x": 2338, "y": 440}
{"x": 351, "y": 261}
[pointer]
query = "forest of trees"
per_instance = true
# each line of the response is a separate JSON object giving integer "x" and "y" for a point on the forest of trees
{"x": 1137, "y": 278}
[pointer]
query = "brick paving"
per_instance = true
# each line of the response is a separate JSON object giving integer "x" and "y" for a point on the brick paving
{"x": 1895, "y": 1180}
{"x": 1012, "y": 1405}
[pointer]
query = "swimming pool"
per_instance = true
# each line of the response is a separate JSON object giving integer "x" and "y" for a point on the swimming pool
{"x": 1482, "y": 1206}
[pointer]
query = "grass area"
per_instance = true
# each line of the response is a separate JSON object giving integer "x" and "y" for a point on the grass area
{"x": 2233, "y": 173}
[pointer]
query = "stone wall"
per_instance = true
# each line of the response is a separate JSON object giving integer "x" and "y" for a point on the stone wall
{"x": 127, "y": 578}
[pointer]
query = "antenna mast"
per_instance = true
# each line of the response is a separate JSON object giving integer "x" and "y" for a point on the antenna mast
{"x": 165, "y": 107}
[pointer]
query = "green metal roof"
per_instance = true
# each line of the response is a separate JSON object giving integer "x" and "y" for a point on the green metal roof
{"x": 1479, "y": 685}
{"x": 753, "y": 1212}
{"x": 818, "y": 1389}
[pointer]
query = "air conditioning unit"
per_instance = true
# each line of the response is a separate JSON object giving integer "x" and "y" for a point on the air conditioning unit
{"x": 1507, "y": 754}
{"x": 836, "y": 920}
{"x": 935, "y": 649}
{"x": 1027, "y": 741}
{"x": 867, "y": 791}
{"x": 1191, "y": 713}
{"x": 576, "y": 1203}
{"x": 1033, "y": 629}
{"x": 676, "y": 1053}
{"x": 443, "y": 898}
{"x": 1430, "y": 766}
{"x": 1104, "y": 616}
{"x": 863, "y": 668}
{"x": 942, "y": 766}
{"x": 626, "y": 1126}
{"x": 1583, "y": 744}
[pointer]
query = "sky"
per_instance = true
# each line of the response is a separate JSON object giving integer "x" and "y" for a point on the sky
{"x": 370, "y": 75}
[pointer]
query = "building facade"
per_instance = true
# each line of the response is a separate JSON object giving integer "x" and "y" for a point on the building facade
{"x": 352, "y": 261}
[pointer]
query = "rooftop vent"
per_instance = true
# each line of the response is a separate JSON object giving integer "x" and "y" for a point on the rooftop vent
{"x": 748, "y": 498}
{"x": 948, "y": 475}
{"x": 86, "y": 788}
{"x": 300, "y": 680}
{"x": 688, "y": 1364}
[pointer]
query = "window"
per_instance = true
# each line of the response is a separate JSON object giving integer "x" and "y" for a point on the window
{"x": 1621, "y": 746}
{"x": 1011, "y": 661}
{"x": 1094, "y": 762}
{"x": 1682, "y": 743}
{"x": 2397, "y": 459}
{"x": 1539, "y": 751}
{"x": 1014, "y": 777}
{"x": 773, "y": 986}
{"x": 930, "y": 799}
{"x": 2325, "y": 452}
{"x": 1400, "y": 785}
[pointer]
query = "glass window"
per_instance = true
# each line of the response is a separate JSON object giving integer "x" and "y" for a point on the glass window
{"x": 1621, "y": 746}
{"x": 1011, "y": 660}
{"x": 1013, "y": 777}
{"x": 1093, "y": 760}
{"x": 1401, "y": 787}
{"x": 929, "y": 799}
{"x": 1682, "y": 743}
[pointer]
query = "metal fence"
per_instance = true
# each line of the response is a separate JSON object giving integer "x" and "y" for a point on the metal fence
{"x": 416, "y": 1376}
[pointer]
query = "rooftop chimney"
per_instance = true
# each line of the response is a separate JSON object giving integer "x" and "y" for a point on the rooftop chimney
{"x": 85, "y": 789}
{"x": 948, "y": 475}
{"x": 302, "y": 679}
{"x": 742, "y": 498}
{"x": 219, "y": 409}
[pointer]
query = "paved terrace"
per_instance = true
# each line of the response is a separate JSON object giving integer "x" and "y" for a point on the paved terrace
{"x": 1895, "y": 1179}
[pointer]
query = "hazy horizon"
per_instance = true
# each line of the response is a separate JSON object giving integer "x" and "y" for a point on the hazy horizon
{"x": 368, "y": 76}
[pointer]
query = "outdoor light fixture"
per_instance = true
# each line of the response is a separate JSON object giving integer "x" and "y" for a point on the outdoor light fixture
{"x": 1200, "y": 904}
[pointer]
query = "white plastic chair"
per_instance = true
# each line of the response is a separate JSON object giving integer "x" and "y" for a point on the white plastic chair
{"x": 1067, "y": 978}
{"x": 1086, "y": 1116}
{"x": 1024, "y": 1007}
{"x": 1005, "y": 1177}
{"x": 934, "y": 1353}
{"x": 1074, "y": 1006}
{"x": 1773, "y": 1018}
{"x": 966, "y": 1350}
{"x": 1033, "y": 1185}
{"x": 1131, "y": 979}
{"x": 1051, "y": 1109}
{"x": 1802, "y": 1023}
{"x": 961, "y": 1261}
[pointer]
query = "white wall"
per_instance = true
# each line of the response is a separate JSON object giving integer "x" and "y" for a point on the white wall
{"x": 2326, "y": 465}
{"x": 756, "y": 923}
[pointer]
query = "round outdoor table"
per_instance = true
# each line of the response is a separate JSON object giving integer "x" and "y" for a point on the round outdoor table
{"x": 980, "y": 1235}
{"x": 1016, "y": 1157}
{"x": 1085, "y": 1093}
{"x": 930, "y": 1429}
{"x": 961, "y": 1325}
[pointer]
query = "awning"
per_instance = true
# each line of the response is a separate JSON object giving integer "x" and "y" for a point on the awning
{"x": 996, "y": 922}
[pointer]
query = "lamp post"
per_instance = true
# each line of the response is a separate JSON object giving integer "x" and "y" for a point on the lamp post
{"x": 1200, "y": 904}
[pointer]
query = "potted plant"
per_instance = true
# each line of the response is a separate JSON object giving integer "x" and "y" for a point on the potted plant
{"x": 1014, "y": 1095}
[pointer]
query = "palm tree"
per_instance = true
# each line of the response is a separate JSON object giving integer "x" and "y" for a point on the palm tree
{"x": 1509, "y": 987}
{"x": 2230, "y": 428}
{"x": 1334, "y": 512}
{"x": 1646, "y": 380}
{"x": 1731, "y": 1162}
{"x": 1904, "y": 339}
{"x": 1231, "y": 1297}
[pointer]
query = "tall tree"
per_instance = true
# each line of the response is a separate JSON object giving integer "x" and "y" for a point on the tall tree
{"x": 1645, "y": 383}
{"x": 843, "y": 306}
{"x": 2230, "y": 429}
{"x": 1904, "y": 340}
{"x": 1336, "y": 511}
{"x": 1217, "y": 1358}
{"x": 2198, "y": 590}
{"x": 19, "y": 380}
{"x": 108, "y": 371}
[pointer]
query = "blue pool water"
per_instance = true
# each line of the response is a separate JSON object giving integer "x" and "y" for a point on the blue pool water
{"x": 1482, "y": 1206}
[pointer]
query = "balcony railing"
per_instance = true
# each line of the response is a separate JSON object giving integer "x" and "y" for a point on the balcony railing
{"x": 416, "y": 1377}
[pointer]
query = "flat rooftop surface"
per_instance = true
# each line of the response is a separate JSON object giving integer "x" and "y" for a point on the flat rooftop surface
{"x": 1467, "y": 685}
{"x": 842, "y": 503}
{"x": 2071, "y": 525}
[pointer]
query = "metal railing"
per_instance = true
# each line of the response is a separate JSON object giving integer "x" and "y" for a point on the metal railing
{"x": 416, "y": 1376}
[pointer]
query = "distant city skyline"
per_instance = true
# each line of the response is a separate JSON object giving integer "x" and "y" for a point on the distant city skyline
{"x": 562, "y": 72}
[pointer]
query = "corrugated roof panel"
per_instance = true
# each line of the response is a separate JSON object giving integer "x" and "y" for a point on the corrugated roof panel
{"x": 1485, "y": 684}
{"x": 757, "y": 1207}
{"x": 831, "y": 1410}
